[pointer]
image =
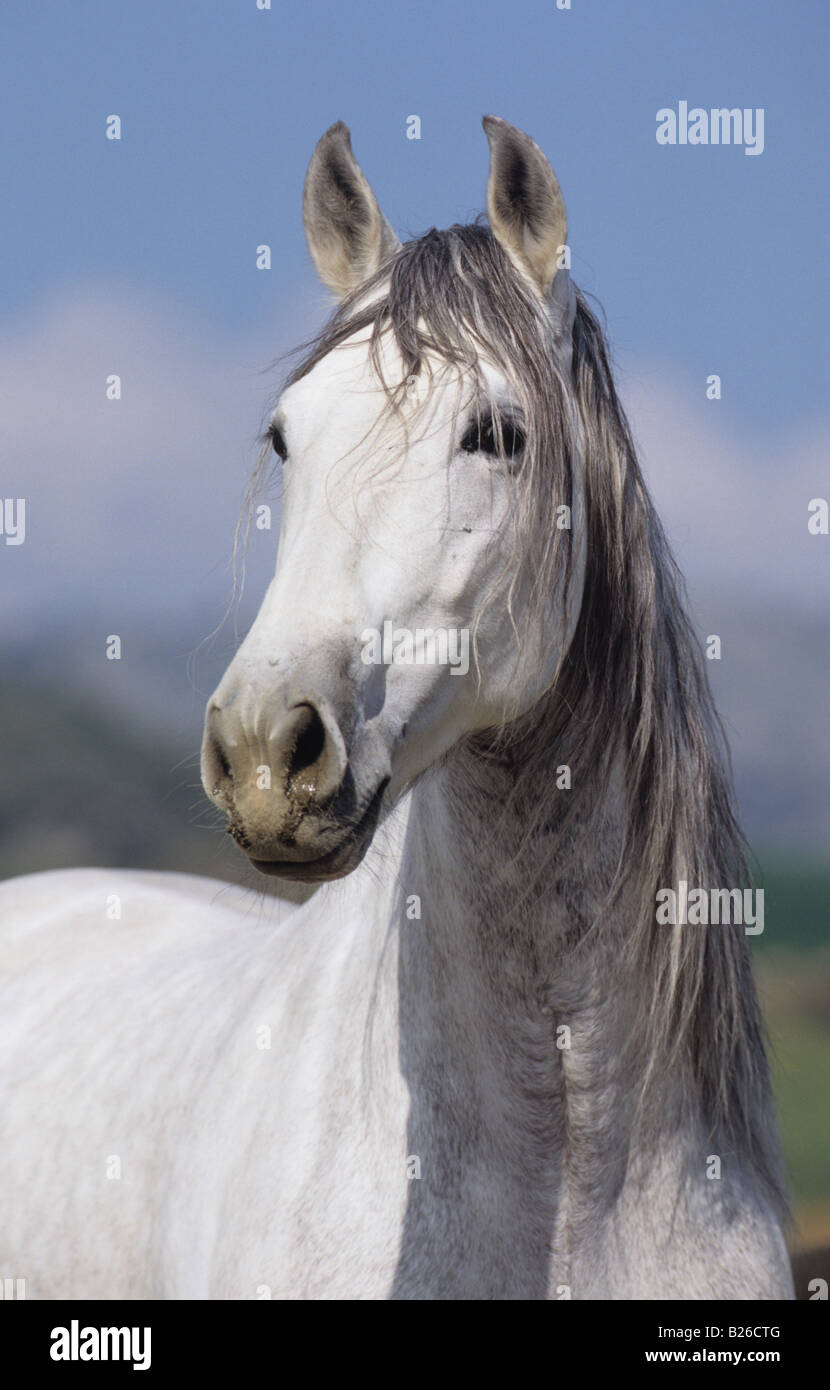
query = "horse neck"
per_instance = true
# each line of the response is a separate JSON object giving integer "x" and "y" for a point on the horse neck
{"x": 514, "y": 1016}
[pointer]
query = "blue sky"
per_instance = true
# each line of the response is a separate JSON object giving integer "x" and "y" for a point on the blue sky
{"x": 704, "y": 259}
{"x": 137, "y": 257}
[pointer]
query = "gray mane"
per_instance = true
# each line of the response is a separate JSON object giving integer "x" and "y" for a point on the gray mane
{"x": 631, "y": 693}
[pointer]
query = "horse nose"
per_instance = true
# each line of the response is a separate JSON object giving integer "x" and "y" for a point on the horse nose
{"x": 300, "y": 756}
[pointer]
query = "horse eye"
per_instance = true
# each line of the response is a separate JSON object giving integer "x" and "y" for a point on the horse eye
{"x": 512, "y": 440}
{"x": 278, "y": 443}
{"x": 482, "y": 438}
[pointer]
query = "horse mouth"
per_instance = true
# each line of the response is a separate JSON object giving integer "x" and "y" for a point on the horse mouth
{"x": 340, "y": 861}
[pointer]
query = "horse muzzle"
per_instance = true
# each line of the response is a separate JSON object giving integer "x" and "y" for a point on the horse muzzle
{"x": 286, "y": 783}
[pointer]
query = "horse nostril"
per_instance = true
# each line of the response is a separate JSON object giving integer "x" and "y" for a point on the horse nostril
{"x": 309, "y": 742}
{"x": 220, "y": 768}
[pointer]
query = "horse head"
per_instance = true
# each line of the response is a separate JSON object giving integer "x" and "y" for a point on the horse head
{"x": 427, "y": 581}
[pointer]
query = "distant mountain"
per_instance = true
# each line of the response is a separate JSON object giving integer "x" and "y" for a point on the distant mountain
{"x": 118, "y": 741}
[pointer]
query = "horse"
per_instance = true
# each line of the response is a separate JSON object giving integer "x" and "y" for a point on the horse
{"x": 473, "y": 1064}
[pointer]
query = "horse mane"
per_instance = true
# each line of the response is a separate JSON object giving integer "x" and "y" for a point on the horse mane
{"x": 631, "y": 692}
{"x": 634, "y": 681}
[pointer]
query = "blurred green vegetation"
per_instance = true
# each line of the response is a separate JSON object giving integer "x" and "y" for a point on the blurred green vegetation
{"x": 801, "y": 1049}
{"x": 796, "y": 902}
{"x": 792, "y": 958}
{"x": 80, "y": 787}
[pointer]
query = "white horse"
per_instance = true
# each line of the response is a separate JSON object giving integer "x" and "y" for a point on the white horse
{"x": 474, "y": 1064}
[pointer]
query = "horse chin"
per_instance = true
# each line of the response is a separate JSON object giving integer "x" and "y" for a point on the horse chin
{"x": 312, "y": 870}
{"x": 337, "y": 863}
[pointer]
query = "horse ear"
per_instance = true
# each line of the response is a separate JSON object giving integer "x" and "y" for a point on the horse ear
{"x": 524, "y": 202}
{"x": 348, "y": 235}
